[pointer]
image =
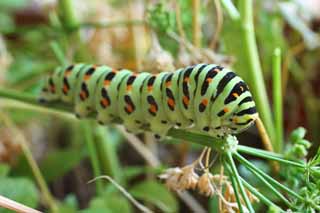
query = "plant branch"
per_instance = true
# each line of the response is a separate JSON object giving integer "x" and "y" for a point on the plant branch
{"x": 254, "y": 67}
{"x": 238, "y": 181}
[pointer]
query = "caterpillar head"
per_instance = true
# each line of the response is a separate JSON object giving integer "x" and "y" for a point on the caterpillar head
{"x": 49, "y": 91}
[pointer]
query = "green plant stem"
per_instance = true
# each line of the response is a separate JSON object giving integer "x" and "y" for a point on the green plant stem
{"x": 265, "y": 176}
{"x": 260, "y": 196}
{"x": 68, "y": 17}
{"x": 107, "y": 153}
{"x": 254, "y": 67}
{"x": 268, "y": 155}
{"x": 277, "y": 99}
{"x": 265, "y": 182}
{"x": 89, "y": 139}
{"x": 58, "y": 53}
{"x": 231, "y": 10}
{"x": 238, "y": 181}
{"x": 234, "y": 185}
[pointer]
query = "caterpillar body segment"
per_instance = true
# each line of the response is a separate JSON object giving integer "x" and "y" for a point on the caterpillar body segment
{"x": 204, "y": 98}
{"x": 130, "y": 102}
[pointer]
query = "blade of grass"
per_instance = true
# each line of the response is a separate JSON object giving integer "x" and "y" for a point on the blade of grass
{"x": 87, "y": 131}
{"x": 277, "y": 99}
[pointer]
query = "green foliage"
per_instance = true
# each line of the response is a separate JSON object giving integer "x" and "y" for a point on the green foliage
{"x": 109, "y": 202}
{"x": 21, "y": 190}
{"x": 58, "y": 162}
{"x": 160, "y": 18}
{"x": 155, "y": 193}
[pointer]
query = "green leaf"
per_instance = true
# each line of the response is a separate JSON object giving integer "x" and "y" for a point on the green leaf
{"x": 156, "y": 194}
{"x": 69, "y": 205}
{"x": 108, "y": 203}
{"x": 21, "y": 190}
{"x": 59, "y": 162}
{"x": 4, "y": 170}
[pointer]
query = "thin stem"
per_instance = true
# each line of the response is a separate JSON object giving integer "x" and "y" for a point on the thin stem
{"x": 268, "y": 155}
{"x": 274, "y": 190}
{"x": 196, "y": 27}
{"x": 231, "y": 9}
{"x": 58, "y": 53}
{"x": 254, "y": 67}
{"x": 277, "y": 99}
{"x": 234, "y": 186}
{"x": 267, "y": 177}
{"x": 107, "y": 153}
{"x": 32, "y": 163}
{"x": 111, "y": 24}
{"x": 179, "y": 21}
{"x": 260, "y": 196}
{"x": 264, "y": 135}
{"x": 218, "y": 25}
{"x": 89, "y": 139}
{"x": 239, "y": 183}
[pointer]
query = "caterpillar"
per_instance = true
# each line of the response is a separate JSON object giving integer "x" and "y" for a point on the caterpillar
{"x": 205, "y": 98}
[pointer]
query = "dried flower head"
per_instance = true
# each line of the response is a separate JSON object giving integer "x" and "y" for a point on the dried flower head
{"x": 181, "y": 178}
{"x": 189, "y": 178}
{"x": 172, "y": 177}
{"x": 205, "y": 184}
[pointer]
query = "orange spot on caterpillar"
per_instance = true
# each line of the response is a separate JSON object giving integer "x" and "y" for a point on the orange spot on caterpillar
{"x": 65, "y": 88}
{"x": 129, "y": 108}
{"x": 168, "y": 84}
{"x": 107, "y": 82}
{"x": 129, "y": 88}
{"x": 170, "y": 102}
{"x": 209, "y": 80}
{"x": 185, "y": 100}
{"x": 83, "y": 95}
{"x": 67, "y": 73}
{"x": 150, "y": 88}
{"x": 153, "y": 108}
{"x": 235, "y": 95}
{"x": 186, "y": 79}
{"x": 205, "y": 102}
{"x": 86, "y": 77}
{"x": 105, "y": 102}
{"x": 226, "y": 109}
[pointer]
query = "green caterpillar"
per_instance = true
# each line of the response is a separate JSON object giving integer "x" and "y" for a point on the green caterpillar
{"x": 206, "y": 98}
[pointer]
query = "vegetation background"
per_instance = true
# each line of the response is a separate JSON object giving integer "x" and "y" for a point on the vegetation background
{"x": 47, "y": 156}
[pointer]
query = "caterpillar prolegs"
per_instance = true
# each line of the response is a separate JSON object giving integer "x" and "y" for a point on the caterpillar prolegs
{"x": 204, "y": 97}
